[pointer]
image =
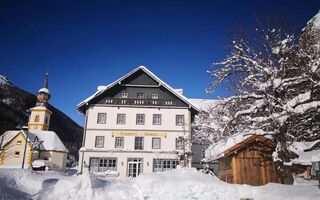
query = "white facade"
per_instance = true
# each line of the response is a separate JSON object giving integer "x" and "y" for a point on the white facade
{"x": 168, "y": 133}
{"x": 126, "y": 140}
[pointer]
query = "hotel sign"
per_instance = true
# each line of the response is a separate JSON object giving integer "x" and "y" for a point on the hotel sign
{"x": 139, "y": 134}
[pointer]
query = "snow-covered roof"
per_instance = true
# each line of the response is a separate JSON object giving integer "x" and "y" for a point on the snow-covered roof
{"x": 102, "y": 89}
{"x": 216, "y": 150}
{"x": 45, "y": 90}
{"x": 306, "y": 153}
{"x": 7, "y": 137}
{"x": 305, "y": 150}
{"x": 203, "y": 104}
{"x": 40, "y": 108}
{"x": 51, "y": 141}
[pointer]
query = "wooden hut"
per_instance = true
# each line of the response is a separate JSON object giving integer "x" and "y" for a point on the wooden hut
{"x": 249, "y": 162}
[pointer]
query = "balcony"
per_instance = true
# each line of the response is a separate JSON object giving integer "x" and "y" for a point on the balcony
{"x": 148, "y": 102}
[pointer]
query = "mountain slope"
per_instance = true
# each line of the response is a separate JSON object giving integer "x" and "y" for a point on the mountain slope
{"x": 13, "y": 105}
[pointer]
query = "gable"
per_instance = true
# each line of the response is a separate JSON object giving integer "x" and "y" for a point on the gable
{"x": 138, "y": 80}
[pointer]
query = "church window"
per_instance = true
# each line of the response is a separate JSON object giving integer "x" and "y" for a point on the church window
{"x": 17, "y": 154}
{"x": 37, "y": 118}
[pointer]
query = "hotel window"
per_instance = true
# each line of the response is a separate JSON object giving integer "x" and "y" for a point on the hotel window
{"x": 140, "y": 119}
{"x": 99, "y": 141}
{"x": 160, "y": 165}
{"x": 156, "y": 119}
{"x": 17, "y": 154}
{"x": 179, "y": 120}
{"x": 179, "y": 143}
{"x": 156, "y": 143}
{"x": 119, "y": 142}
{"x": 103, "y": 164}
{"x": 140, "y": 95}
{"x": 124, "y": 95}
{"x": 154, "y": 96}
{"x": 19, "y": 142}
{"x": 138, "y": 143}
{"x": 121, "y": 118}
{"x": 102, "y": 118}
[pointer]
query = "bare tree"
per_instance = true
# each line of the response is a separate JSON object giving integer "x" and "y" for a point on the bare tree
{"x": 275, "y": 76}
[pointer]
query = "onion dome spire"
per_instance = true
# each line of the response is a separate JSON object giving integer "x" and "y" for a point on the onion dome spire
{"x": 46, "y": 81}
{"x": 44, "y": 93}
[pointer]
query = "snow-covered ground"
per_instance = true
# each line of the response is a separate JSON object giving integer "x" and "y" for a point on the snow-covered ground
{"x": 185, "y": 183}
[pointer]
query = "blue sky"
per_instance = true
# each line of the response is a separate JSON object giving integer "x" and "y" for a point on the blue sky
{"x": 83, "y": 44}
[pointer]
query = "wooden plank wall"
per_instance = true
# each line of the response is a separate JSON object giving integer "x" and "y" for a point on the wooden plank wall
{"x": 250, "y": 166}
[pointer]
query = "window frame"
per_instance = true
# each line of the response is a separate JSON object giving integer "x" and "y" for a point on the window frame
{"x": 143, "y": 119}
{"x": 135, "y": 143}
{"x": 15, "y": 154}
{"x": 95, "y": 143}
{"x": 19, "y": 142}
{"x": 152, "y": 144}
{"x": 155, "y": 96}
{"x": 153, "y": 119}
{"x": 99, "y": 163}
{"x": 124, "y": 119}
{"x": 160, "y": 164}
{"x": 37, "y": 118}
{"x": 138, "y": 95}
{"x": 105, "y": 118}
{"x": 179, "y": 139}
{"x": 178, "y": 124}
{"x": 115, "y": 142}
{"x": 124, "y": 95}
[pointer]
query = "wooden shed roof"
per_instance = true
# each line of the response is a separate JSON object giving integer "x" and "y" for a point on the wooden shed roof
{"x": 253, "y": 138}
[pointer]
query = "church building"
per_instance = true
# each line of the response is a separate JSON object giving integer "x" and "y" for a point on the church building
{"x": 35, "y": 145}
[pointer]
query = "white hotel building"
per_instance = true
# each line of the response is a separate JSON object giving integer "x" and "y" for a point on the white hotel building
{"x": 137, "y": 124}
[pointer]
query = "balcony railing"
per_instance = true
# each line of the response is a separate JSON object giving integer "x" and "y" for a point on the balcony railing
{"x": 129, "y": 101}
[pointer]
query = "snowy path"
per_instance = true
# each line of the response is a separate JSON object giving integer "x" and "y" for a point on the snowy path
{"x": 176, "y": 184}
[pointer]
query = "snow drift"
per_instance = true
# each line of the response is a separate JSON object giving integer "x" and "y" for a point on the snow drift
{"x": 184, "y": 183}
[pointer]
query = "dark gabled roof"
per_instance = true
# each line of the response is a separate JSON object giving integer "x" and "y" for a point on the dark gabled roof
{"x": 103, "y": 89}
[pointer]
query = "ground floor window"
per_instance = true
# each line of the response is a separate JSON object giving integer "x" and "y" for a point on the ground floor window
{"x": 160, "y": 165}
{"x": 103, "y": 164}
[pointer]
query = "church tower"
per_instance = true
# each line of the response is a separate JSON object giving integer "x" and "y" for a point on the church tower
{"x": 40, "y": 115}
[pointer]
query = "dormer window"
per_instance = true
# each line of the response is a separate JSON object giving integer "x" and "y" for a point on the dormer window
{"x": 124, "y": 95}
{"x": 140, "y": 95}
{"x": 154, "y": 96}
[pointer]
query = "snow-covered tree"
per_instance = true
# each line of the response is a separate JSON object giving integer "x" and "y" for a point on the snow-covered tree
{"x": 276, "y": 81}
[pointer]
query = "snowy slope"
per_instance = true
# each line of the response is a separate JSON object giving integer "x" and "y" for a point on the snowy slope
{"x": 4, "y": 81}
{"x": 186, "y": 183}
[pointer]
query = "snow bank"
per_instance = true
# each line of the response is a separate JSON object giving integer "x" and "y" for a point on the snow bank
{"x": 185, "y": 183}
